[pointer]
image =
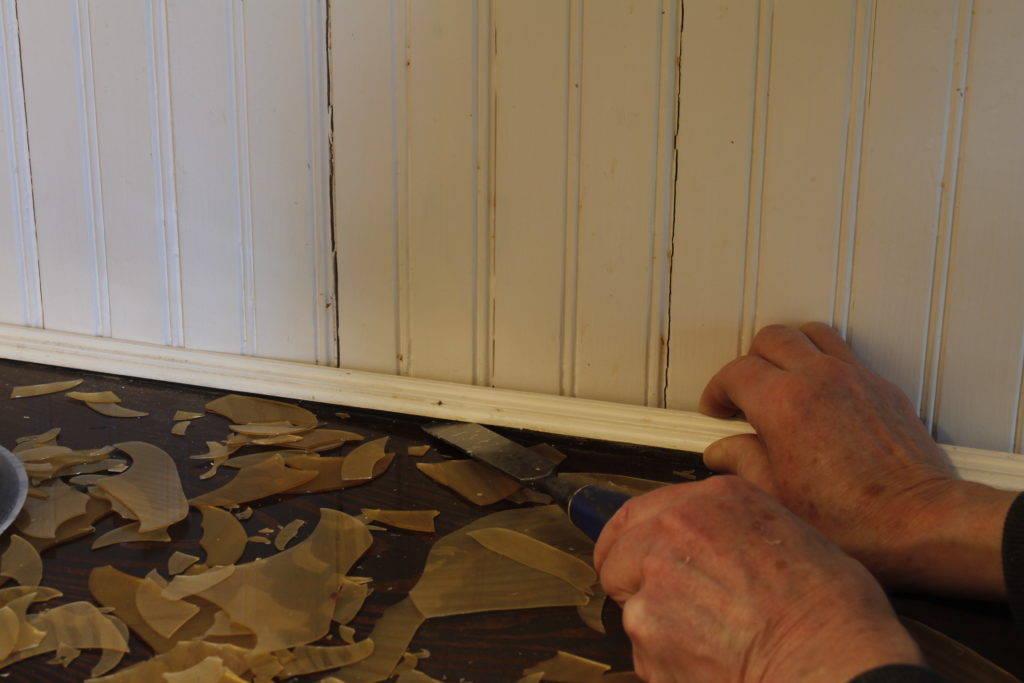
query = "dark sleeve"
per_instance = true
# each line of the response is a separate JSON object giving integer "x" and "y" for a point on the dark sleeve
{"x": 1013, "y": 560}
{"x": 1013, "y": 571}
{"x": 900, "y": 673}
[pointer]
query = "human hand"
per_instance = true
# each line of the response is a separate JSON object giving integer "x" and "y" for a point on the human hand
{"x": 844, "y": 449}
{"x": 719, "y": 582}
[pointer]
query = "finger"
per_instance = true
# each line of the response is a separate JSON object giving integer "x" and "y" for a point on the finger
{"x": 743, "y": 455}
{"x": 634, "y": 617}
{"x": 740, "y": 383}
{"x": 620, "y": 567}
{"x": 783, "y": 346}
{"x": 829, "y": 341}
{"x": 637, "y": 511}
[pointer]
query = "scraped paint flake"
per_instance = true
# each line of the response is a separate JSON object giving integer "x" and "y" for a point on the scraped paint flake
{"x": 43, "y": 389}
{"x": 271, "y": 615}
{"x": 566, "y": 667}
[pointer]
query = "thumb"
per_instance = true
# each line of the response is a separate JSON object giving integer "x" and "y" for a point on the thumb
{"x": 743, "y": 455}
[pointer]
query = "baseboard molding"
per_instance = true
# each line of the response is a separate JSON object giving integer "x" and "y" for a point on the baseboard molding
{"x": 444, "y": 400}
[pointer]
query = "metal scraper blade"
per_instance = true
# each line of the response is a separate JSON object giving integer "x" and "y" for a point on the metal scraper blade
{"x": 481, "y": 443}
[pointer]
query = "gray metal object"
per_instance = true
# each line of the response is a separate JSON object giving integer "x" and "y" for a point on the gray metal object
{"x": 13, "y": 487}
{"x": 520, "y": 463}
{"x": 589, "y": 507}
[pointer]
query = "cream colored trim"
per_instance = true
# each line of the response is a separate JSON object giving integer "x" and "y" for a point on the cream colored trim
{"x": 556, "y": 414}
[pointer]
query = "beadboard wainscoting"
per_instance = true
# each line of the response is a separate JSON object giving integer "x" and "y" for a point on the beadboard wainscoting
{"x": 858, "y": 162}
{"x": 179, "y": 156}
{"x": 593, "y": 200}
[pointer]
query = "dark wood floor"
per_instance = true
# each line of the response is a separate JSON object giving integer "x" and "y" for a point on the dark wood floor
{"x": 481, "y": 647}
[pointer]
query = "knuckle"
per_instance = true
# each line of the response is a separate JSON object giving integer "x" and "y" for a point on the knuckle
{"x": 798, "y": 395}
{"x": 659, "y": 570}
{"x": 833, "y": 369}
{"x": 772, "y": 331}
{"x": 679, "y": 533}
{"x": 791, "y": 394}
{"x": 636, "y": 621}
{"x": 645, "y": 620}
{"x": 668, "y": 525}
{"x": 640, "y": 666}
{"x": 769, "y": 336}
{"x": 816, "y": 328}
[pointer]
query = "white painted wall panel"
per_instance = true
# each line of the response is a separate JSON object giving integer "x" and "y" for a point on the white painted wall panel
{"x": 212, "y": 207}
{"x": 368, "y": 105}
{"x": 468, "y": 252}
{"x": 182, "y": 193}
{"x": 910, "y": 244}
{"x": 443, "y": 234}
{"x": 59, "y": 83}
{"x": 536, "y": 87}
{"x": 287, "y": 124}
{"x": 720, "y": 149}
{"x": 11, "y": 305}
{"x": 805, "y": 160}
{"x": 19, "y": 273}
{"x": 127, "y": 158}
{"x": 910, "y": 123}
{"x": 983, "y": 328}
{"x": 622, "y": 245}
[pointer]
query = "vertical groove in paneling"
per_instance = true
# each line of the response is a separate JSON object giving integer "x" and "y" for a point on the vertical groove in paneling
{"x": 859, "y": 78}
{"x": 932, "y": 375}
{"x": 653, "y": 330}
{"x": 482, "y": 192}
{"x": 715, "y": 149}
{"x": 400, "y": 147}
{"x": 758, "y": 158}
{"x": 664, "y": 138}
{"x": 166, "y": 208}
{"x": 983, "y": 327}
{"x": 328, "y": 166}
{"x": 573, "y": 99}
{"x": 244, "y": 225}
{"x": 22, "y": 212}
{"x": 325, "y": 346}
{"x": 1018, "y": 436}
{"x": 91, "y": 169}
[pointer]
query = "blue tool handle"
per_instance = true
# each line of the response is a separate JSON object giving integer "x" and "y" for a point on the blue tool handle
{"x": 592, "y": 506}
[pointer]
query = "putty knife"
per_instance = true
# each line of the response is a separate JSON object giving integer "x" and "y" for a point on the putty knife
{"x": 13, "y": 487}
{"x": 589, "y": 507}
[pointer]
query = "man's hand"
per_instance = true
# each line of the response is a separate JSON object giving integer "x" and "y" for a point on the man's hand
{"x": 718, "y": 582}
{"x": 843, "y": 449}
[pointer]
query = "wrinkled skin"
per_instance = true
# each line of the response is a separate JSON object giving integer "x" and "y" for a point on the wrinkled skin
{"x": 744, "y": 578}
{"x": 718, "y": 582}
{"x": 844, "y": 449}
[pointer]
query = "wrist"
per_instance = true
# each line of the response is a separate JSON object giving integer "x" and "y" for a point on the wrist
{"x": 842, "y": 651}
{"x": 950, "y": 542}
